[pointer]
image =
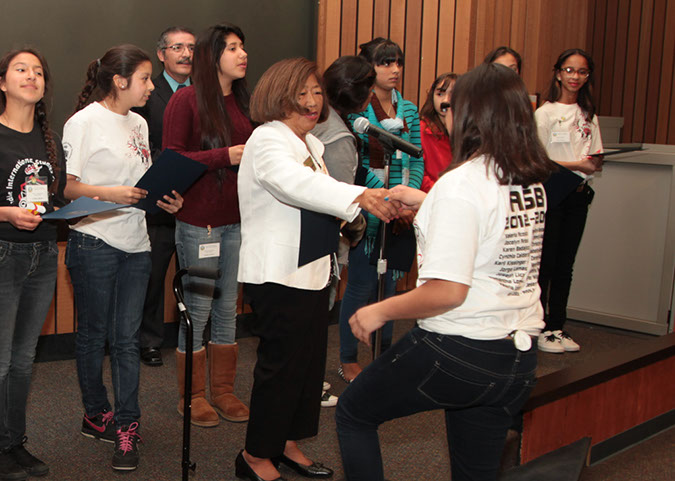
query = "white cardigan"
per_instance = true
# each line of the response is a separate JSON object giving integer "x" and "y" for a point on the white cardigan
{"x": 274, "y": 182}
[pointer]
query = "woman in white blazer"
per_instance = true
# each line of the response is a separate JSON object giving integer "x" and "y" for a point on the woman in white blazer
{"x": 281, "y": 173}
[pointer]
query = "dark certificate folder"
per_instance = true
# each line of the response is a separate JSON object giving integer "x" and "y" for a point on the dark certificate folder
{"x": 171, "y": 171}
{"x": 561, "y": 184}
{"x": 319, "y": 236}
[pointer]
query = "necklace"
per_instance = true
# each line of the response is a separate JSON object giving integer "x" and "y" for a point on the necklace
{"x": 105, "y": 105}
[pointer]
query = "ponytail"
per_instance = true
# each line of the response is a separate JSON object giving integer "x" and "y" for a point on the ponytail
{"x": 89, "y": 85}
{"x": 122, "y": 60}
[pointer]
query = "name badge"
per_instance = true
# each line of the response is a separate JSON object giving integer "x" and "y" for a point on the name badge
{"x": 36, "y": 193}
{"x": 207, "y": 251}
{"x": 560, "y": 137}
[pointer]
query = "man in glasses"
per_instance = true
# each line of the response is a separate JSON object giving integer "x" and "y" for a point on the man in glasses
{"x": 174, "y": 51}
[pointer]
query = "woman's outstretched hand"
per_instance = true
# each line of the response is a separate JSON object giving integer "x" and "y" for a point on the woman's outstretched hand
{"x": 378, "y": 203}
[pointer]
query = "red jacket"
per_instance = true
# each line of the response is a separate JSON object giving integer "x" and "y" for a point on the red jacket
{"x": 437, "y": 155}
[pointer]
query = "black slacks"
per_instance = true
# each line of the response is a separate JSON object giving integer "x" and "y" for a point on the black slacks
{"x": 163, "y": 244}
{"x": 292, "y": 325}
{"x": 562, "y": 235}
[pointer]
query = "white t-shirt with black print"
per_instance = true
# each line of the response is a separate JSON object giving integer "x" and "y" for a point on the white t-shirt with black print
{"x": 474, "y": 231}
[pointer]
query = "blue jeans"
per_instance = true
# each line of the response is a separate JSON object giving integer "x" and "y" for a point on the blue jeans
{"x": 361, "y": 290}
{"x": 204, "y": 297}
{"x": 109, "y": 287}
{"x": 481, "y": 385}
{"x": 27, "y": 280}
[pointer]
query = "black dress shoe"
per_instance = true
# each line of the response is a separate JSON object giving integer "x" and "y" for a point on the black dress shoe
{"x": 315, "y": 470}
{"x": 151, "y": 356}
{"x": 243, "y": 471}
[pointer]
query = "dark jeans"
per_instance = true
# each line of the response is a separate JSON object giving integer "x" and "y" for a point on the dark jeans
{"x": 27, "y": 279}
{"x": 479, "y": 384}
{"x": 163, "y": 242}
{"x": 109, "y": 286}
{"x": 564, "y": 228}
{"x": 361, "y": 290}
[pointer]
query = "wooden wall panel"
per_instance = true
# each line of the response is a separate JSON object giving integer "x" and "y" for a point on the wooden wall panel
{"x": 365, "y": 26}
{"x": 349, "y": 23}
{"x": 397, "y": 22}
{"x": 655, "y": 58}
{"x": 667, "y": 82}
{"x": 605, "y": 63}
{"x": 644, "y": 46}
{"x": 411, "y": 49}
{"x": 429, "y": 46}
{"x": 634, "y": 78}
{"x": 381, "y": 19}
{"x": 631, "y": 41}
{"x": 446, "y": 36}
{"x": 465, "y": 32}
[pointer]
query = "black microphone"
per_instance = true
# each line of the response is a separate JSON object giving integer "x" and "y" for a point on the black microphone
{"x": 362, "y": 126}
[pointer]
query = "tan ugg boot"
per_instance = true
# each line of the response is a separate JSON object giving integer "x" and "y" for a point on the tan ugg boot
{"x": 201, "y": 412}
{"x": 222, "y": 370}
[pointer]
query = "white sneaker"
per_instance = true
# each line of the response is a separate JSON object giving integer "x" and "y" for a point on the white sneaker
{"x": 328, "y": 400}
{"x": 549, "y": 342}
{"x": 566, "y": 341}
{"x": 326, "y": 385}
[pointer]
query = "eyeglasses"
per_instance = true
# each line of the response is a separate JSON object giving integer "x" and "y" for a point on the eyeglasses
{"x": 583, "y": 72}
{"x": 179, "y": 47}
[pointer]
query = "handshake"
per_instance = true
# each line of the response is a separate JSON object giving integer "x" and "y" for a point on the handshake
{"x": 387, "y": 204}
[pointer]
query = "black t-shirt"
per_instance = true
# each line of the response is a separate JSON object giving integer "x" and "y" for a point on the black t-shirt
{"x": 24, "y": 168}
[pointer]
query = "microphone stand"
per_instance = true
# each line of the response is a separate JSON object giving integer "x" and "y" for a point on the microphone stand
{"x": 388, "y": 150}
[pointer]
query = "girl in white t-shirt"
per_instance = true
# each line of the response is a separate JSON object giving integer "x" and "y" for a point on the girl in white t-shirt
{"x": 108, "y": 254}
{"x": 568, "y": 128}
{"x": 479, "y": 234}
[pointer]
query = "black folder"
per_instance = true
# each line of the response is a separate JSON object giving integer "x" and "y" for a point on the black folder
{"x": 561, "y": 184}
{"x": 170, "y": 171}
{"x": 319, "y": 236}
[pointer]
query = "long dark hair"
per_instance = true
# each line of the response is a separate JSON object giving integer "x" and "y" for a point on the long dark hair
{"x": 585, "y": 96}
{"x": 41, "y": 107}
{"x": 216, "y": 126}
{"x": 503, "y": 50}
{"x": 428, "y": 112}
{"x": 122, "y": 60}
{"x": 492, "y": 116}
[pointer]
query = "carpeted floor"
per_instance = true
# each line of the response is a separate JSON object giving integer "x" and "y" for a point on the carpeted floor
{"x": 413, "y": 448}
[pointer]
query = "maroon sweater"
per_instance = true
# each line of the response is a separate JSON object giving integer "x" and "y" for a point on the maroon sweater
{"x": 209, "y": 201}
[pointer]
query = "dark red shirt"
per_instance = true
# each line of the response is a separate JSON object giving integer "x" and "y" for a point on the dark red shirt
{"x": 212, "y": 200}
